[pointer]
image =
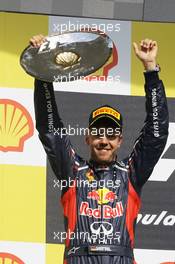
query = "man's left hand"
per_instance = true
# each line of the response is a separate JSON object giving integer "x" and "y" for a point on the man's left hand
{"x": 147, "y": 53}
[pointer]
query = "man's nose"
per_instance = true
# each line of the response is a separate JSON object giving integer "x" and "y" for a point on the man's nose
{"x": 103, "y": 140}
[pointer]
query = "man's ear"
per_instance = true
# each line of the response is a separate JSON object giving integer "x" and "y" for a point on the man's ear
{"x": 120, "y": 140}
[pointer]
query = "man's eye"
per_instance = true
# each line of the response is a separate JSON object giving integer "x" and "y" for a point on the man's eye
{"x": 95, "y": 134}
{"x": 99, "y": 135}
{"x": 113, "y": 136}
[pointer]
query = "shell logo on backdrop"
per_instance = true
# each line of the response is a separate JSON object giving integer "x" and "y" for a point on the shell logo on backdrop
{"x": 7, "y": 258}
{"x": 16, "y": 125}
{"x": 167, "y": 263}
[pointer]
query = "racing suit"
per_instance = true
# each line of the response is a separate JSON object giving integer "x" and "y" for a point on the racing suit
{"x": 101, "y": 203}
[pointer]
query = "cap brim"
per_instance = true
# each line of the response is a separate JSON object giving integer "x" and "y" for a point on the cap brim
{"x": 105, "y": 120}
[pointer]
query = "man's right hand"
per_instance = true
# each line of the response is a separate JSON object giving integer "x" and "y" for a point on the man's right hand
{"x": 37, "y": 41}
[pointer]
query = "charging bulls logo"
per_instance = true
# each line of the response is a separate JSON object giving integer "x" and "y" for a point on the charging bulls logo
{"x": 7, "y": 258}
{"x": 16, "y": 125}
{"x": 103, "y": 196}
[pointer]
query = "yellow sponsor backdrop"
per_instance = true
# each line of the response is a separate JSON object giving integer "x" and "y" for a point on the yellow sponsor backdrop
{"x": 164, "y": 34}
{"x": 22, "y": 203}
{"x": 54, "y": 254}
{"x": 15, "y": 32}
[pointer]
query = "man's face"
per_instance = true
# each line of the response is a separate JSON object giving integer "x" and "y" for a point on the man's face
{"x": 104, "y": 142}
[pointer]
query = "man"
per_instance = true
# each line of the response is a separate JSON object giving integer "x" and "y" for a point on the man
{"x": 102, "y": 197}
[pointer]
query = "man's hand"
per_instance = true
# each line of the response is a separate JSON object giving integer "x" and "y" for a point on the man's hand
{"x": 37, "y": 41}
{"x": 147, "y": 53}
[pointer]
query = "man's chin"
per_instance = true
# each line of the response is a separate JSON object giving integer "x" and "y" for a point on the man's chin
{"x": 103, "y": 160}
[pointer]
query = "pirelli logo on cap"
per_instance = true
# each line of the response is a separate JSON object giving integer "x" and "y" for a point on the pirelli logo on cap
{"x": 106, "y": 110}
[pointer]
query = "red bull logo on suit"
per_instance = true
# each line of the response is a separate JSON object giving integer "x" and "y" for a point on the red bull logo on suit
{"x": 103, "y": 197}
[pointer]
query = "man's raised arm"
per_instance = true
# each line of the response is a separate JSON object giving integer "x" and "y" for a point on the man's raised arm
{"x": 152, "y": 140}
{"x": 50, "y": 126}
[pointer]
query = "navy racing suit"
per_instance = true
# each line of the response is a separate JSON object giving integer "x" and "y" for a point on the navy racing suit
{"x": 101, "y": 203}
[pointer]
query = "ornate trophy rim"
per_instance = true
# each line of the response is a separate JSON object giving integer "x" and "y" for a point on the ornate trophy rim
{"x": 66, "y": 57}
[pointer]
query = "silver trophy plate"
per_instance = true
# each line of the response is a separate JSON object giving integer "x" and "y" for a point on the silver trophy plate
{"x": 67, "y": 57}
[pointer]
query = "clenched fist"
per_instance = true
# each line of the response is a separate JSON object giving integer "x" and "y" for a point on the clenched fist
{"x": 147, "y": 53}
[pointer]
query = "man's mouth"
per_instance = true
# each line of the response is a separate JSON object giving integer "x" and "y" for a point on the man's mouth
{"x": 105, "y": 149}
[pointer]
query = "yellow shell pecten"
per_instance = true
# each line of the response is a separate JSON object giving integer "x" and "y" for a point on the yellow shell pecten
{"x": 16, "y": 125}
{"x": 67, "y": 59}
{"x": 8, "y": 258}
